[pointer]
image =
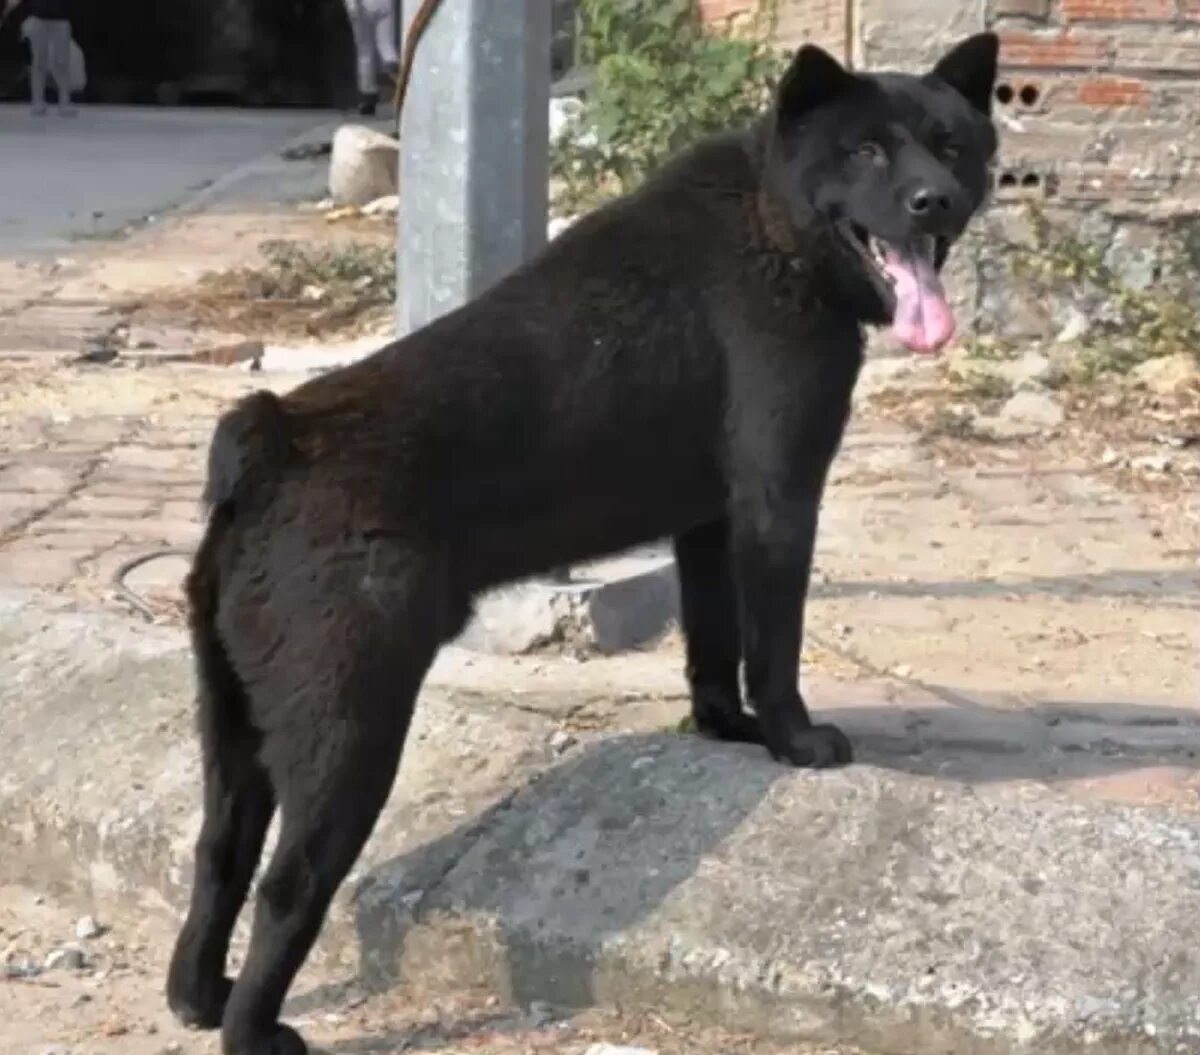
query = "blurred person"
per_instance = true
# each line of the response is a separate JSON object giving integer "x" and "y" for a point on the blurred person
{"x": 48, "y": 31}
{"x": 373, "y": 24}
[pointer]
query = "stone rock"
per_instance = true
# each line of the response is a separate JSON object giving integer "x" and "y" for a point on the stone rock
{"x": 363, "y": 166}
{"x": 564, "y": 110}
{"x": 86, "y": 928}
{"x": 388, "y": 205}
{"x": 1075, "y": 328}
{"x": 1151, "y": 463}
{"x": 1032, "y": 408}
{"x": 1030, "y": 370}
{"x": 1169, "y": 374}
{"x": 69, "y": 958}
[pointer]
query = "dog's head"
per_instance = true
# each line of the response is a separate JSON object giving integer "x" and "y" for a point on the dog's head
{"x": 892, "y": 167}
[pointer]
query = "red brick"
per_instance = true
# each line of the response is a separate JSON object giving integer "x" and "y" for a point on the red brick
{"x": 1118, "y": 10}
{"x": 1113, "y": 91}
{"x": 1189, "y": 10}
{"x": 1063, "y": 49}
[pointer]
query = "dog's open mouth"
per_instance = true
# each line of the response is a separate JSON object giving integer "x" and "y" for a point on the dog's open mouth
{"x": 907, "y": 277}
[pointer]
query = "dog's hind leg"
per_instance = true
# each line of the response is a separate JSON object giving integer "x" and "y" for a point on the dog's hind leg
{"x": 238, "y": 805}
{"x": 708, "y": 599}
{"x": 332, "y": 750}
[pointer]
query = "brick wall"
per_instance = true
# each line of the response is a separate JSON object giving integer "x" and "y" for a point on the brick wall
{"x": 822, "y": 22}
{"x": 1098, "y": 101}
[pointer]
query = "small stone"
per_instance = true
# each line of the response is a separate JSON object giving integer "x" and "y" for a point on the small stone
{"x": 21, "y": 969}
{"x": 69, "y": 958}
{"x": 1033, "y": 408}
{"x": 1151, "y": 463}
{"x": 1168, "y": 374}
{"x": 1111, "y": 458}
{"x": 86, "y": 928}
{"x": 1030, "y": 370}
{"x": 1076, "y": 327}
{"x": 903, "y": 671}
{"x": 561, "y": 741}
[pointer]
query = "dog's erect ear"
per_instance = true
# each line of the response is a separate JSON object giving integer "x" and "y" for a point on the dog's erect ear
{"x": 970, "y": 69}
{"x": 815, "y": 77}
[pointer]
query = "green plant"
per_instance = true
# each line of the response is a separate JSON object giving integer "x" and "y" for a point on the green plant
{"x": 660, "y": 81}
{"x": 367, "y": 271}
{"x": 1128, "y": 325}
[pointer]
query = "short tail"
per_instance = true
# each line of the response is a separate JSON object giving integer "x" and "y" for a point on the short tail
{"x": 250, "y": 446}
{"x": 249, "y": 449}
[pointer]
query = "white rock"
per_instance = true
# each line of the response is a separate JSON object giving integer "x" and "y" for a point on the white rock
{"x": 563, "y": 110}
{"x": 1031, "y": 369}
{"x": 1076, "y": 326}
{"x": 1033, "y": 408}
{"x": 86, "y": 927}
{"x": 388, "y": 205}
{"x": 561, "y": 741}
{"x": 364, "y": 165}
{"x": 1152, "y": 463}
{"x": 1168, "y": 374}
{"x": 69, "y": 957}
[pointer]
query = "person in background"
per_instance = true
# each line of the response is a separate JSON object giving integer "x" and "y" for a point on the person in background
{"x": 48, "y": 30}
{"x": 373, "y": 24}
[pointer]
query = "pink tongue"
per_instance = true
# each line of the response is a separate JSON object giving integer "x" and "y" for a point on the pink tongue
{"x": 923, "y": 320}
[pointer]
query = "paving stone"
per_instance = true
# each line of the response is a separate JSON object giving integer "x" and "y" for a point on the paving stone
{"x": 40, "y": 479}
{"x": 39, "y": 563}
{"x": 112, "y": 507}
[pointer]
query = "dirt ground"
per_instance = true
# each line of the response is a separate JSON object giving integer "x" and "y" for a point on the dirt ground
{"x": 1035, "y": 572}
{"x": 103, "y": 996}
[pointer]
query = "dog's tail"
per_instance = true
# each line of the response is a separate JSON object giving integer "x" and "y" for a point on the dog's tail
{"x": 249, "y": 449}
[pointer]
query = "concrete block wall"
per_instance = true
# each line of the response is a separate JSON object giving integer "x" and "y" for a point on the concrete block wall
{"x": 1099, "y": 100}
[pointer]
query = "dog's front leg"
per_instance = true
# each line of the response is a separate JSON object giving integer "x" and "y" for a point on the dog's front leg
{"x": 773, "y": 554}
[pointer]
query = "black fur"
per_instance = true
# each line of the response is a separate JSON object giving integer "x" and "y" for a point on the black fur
{"x": 678, "y": 364}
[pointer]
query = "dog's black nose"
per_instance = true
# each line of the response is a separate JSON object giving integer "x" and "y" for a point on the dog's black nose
{"x": 928, "y": 202}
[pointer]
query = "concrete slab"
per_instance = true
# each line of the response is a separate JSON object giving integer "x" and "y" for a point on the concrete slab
{"x": 612, "y": 605}
{"x": 943, "y": 896}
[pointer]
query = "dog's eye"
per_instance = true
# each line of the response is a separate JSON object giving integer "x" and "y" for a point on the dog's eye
{"x": 872, "y": 152}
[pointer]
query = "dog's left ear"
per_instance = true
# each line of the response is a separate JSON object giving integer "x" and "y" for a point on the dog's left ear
{"x": 970, "y": 69}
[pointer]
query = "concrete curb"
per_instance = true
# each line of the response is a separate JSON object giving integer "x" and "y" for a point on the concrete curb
{"x": 886, "y": 905}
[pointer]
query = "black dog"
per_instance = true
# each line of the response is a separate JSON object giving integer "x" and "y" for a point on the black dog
{"x": 678, "y": 364}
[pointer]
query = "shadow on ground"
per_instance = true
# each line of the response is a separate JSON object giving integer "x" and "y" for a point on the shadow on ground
{"x": 653, "y": 807}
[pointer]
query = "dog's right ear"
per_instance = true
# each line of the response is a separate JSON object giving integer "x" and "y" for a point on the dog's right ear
{"x": 814, "y": 78}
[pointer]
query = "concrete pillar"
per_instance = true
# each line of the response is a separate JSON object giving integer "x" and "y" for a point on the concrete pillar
{"x": 473, "y": 153}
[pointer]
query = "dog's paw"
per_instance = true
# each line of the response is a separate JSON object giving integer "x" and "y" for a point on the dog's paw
{"x": 718, "y": 715}
{"x": 199, "y": 1006}
{"x": 739, "y": 728}
{"x": 813, "y": 747}
{"x": 282, "y": 1040}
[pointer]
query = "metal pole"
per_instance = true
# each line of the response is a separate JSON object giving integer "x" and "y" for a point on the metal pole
{"x": 473, "y": 153}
